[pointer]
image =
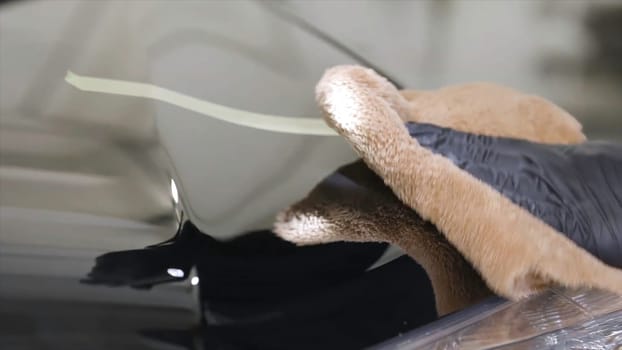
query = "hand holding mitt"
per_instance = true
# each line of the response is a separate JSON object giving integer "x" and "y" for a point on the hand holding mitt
{"x": 418, "y": 188}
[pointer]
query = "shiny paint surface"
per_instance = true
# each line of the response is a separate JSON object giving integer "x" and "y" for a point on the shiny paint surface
{"x": 556, "y": 319}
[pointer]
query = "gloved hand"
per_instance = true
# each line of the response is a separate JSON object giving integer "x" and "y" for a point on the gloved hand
{"x": 516, "y": 252}
{"x": 576, "y": 189}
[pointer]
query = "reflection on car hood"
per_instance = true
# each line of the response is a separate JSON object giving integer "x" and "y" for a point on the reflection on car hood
{"x": 556, "y": 319}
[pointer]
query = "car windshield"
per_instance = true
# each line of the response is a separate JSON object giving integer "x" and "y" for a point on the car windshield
{"x": 128, "y": 222}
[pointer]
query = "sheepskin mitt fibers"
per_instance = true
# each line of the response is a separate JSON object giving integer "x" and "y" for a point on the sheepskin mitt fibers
{"x": 469, "y": 237}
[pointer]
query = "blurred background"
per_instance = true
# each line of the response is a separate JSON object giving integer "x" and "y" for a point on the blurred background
{"x": 84, "y": 173}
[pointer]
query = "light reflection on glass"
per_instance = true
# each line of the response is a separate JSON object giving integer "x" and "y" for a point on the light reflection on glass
{"x": 174, "y": 192}
{"x": 178, "y": 273}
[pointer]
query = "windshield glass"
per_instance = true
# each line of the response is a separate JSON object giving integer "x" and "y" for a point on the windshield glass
{"x": 174, "y": 208}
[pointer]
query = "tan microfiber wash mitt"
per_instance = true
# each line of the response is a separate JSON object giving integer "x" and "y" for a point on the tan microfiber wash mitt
{"x": 411, "y": 194}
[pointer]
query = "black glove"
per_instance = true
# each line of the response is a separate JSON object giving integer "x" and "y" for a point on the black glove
{"x": 576, "y": 189}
